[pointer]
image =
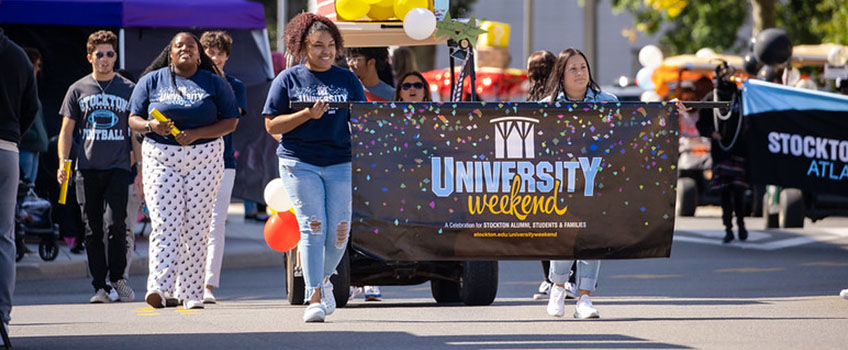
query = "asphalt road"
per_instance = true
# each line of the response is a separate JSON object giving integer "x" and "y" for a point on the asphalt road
{"x": 779, "y": 290}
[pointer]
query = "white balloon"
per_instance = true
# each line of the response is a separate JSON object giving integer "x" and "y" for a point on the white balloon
{"x": 837, "y": 55}
{"x": 705, "y": 52}
{"x": 276, "y": 196}
{"x": 650, "y": 56}
{"x": 419, "y": 23}
{"x": 643, "y": 78}
{"x": 650, "y": 96}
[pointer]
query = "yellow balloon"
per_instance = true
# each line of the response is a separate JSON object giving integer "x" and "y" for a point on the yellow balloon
{"x": 381, "y": 13}
{"x": 373, "y": 2}
{"x": 351, "y": 10}
{"x": 402, "y": 7}
{"x": 385, "y": 3}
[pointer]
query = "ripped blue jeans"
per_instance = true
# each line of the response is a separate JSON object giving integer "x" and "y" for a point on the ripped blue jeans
{"x": 321, "y": 197}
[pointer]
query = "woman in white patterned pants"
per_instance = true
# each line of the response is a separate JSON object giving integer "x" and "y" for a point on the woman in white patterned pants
{"x": 183, "y": 163}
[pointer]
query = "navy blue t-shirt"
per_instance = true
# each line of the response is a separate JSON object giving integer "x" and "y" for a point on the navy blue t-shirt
{"x": 241, "y": 99}
{"x": 324, "y": 141}
{"x": 206, "y": 98}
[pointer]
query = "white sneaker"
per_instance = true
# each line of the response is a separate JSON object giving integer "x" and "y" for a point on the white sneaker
{"x": 193, "y": 304}
{"x": 124, "y": 291}
{"x": 354, "y": 291}
{"x": 556, "y": 303}
{"x": 314, "y": 313}
{"x": 327, "y": 298}
{"x": 844, "y": 293}
{"x": 584, "y": 308}
{"x": 372, "y": 293}
{"x": 100, "y": 297}
{"x": 542, "y": 293}
{"x": 113, "y": 295}
{"x": 208, "y": 297}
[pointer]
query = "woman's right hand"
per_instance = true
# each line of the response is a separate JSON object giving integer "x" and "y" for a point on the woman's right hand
{"x": 161, "y": 128}
{"x": 317, "y": 110}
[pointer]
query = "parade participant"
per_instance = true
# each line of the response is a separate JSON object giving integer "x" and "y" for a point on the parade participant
{"x": 218, "y": 46}
{"x": 366, "y": 62}
{"x": 181, "y": 172}
{"x": 571, "y": 81}
{"x": 18, "y": 106}
{"x": 413, "y": 87}
{"x": 315, "y": 151}
{"x": 96, "y": 109}
{"x": 539, "y": 67}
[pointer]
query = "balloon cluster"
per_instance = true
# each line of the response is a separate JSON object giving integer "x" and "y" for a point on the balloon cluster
{"x": 419, "y": 22}
{"x": 650, "y": 57}
{"x": 766, "y": 51}
{"x": 282, "y": 231}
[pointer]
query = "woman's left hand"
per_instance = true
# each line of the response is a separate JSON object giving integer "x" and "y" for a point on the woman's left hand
{"x": 186, "y": 137}
{"x": 681, "y": 108}
{"x": 138, "y": 187}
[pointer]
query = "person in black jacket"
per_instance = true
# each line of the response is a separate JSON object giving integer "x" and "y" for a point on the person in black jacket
{"x": 18, "y": 106}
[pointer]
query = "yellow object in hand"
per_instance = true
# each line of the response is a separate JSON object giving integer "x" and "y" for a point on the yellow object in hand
{"x": 161, "y": 117}
{"x": 63, "y": 193}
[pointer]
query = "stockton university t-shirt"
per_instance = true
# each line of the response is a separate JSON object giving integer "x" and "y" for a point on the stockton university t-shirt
{"x": 324, "y": 141}
{"x": 204, "y": 99}
{"x": 101, "y": 111}
{"x": 241, "y": 101}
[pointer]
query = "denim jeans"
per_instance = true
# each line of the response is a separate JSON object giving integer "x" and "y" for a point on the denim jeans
{"x": 322, "y": 193}
{"x": 587, "y": 273}
{"x": 29, "y": 164}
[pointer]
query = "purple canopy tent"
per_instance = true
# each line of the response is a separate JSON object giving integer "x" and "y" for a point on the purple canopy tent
{"x": 58, "y": 28}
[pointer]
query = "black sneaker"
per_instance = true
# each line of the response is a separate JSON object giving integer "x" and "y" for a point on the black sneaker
{"x": 78, "y": 248}
{"x": 743, "y": 233}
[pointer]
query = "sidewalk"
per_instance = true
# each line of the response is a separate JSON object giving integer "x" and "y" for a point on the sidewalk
{"x": 245, "y": 247}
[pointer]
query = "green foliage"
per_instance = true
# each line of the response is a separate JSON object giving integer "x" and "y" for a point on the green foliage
{"x": 835, "y": 28}
{"x": 702, "y": 23}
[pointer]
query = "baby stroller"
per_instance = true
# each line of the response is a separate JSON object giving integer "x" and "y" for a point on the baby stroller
{"x": 33, "y": 216}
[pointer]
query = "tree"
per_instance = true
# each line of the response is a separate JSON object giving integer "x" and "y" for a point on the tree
{"x": 688, "y": 25}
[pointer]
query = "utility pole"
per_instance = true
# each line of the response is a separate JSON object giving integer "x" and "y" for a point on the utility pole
{"x": 590, "y": 32}
{"x": 528, "y": 29}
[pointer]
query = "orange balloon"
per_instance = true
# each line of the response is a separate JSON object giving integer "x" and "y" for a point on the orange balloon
{"x": 282, "y": 231}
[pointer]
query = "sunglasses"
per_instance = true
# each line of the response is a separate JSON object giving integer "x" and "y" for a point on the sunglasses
{"x": 109, "y": 54}
{"x": 407, "y": 86}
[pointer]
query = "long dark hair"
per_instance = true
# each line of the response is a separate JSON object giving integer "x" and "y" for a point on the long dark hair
{"x": 539, "y": 67}
{"x": 555, "y": 85}
{"x": 427, "y": 96}
{"x": 164, "y": 60}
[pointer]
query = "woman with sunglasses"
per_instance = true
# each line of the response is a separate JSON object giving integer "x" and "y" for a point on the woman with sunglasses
{"x": 315, "y": 152}
{"x": 182, "y": 172}
{"x": 571, "y": 81}
{"x": 412, "y": 87}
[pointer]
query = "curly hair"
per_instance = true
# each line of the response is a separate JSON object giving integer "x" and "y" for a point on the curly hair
{"x": 164, "y": 60}
{"x": 101, "y": 37}
{"x": 218, "y": 39}
{"x": 307, "y": 23}
{"x": 539, "y": 67}
{"x": 555, "y": 84}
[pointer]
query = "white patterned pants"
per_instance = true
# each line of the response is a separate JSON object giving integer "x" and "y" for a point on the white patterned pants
{"x": 180, "y": 187}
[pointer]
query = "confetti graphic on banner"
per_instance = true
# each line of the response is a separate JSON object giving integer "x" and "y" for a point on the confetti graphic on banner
{"x": 473, "y": 180}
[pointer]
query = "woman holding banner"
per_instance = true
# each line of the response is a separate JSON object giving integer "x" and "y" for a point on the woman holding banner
{"x": 571, "y": 81}
{"x": 183, "y": 163}
{"x": 315, "y": 151}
